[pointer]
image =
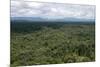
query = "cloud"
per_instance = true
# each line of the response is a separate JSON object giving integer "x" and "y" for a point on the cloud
{"x": 90, "y": 2}
{"x": 51, "y": 10}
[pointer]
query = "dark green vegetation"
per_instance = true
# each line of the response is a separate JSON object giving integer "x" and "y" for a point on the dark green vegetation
{"x": 51, "y": 43}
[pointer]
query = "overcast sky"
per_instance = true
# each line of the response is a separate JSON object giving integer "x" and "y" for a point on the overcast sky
{"x": 27, "y": 8}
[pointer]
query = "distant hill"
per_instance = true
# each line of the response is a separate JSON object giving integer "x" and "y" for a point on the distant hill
{"x": 39, "y": 19}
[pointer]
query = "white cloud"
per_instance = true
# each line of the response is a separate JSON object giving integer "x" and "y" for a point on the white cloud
{"x": 90, "y": 2}
{"x": 51, "y": 10}
{"x": 33, "y": 4}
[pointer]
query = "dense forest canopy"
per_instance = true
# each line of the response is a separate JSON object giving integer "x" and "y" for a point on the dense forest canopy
{"x": 34, "y": 43}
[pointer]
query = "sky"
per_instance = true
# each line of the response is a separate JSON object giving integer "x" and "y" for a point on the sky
{"x": 83, "y": 9}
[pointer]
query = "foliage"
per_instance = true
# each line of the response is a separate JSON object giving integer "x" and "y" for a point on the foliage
{"x": 51, "y": 43}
